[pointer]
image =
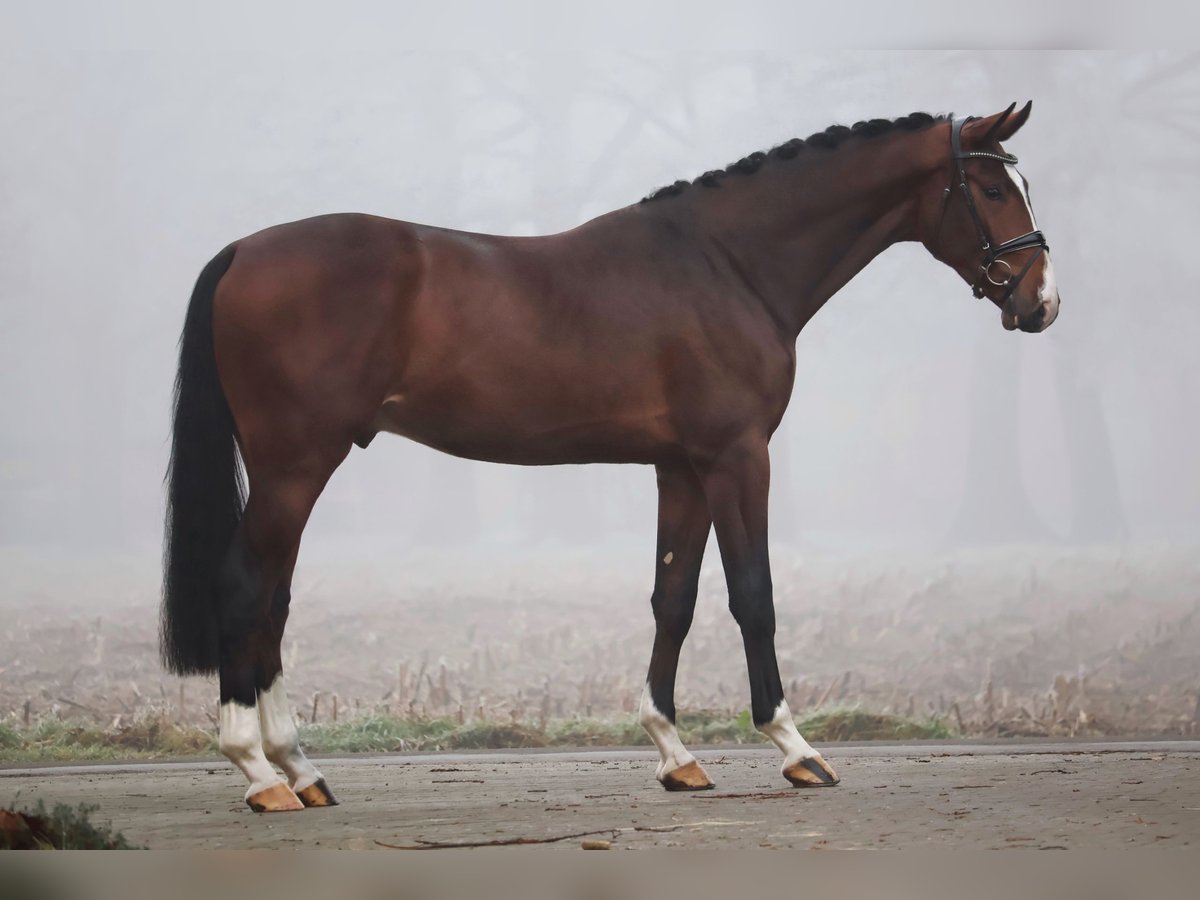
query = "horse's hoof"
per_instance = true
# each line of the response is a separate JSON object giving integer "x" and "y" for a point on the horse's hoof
{"x": 276, "y": 798}
{"x": 317, "y": 794}
{"x": 690, "y": 777}
{"x": 811, "y": 772}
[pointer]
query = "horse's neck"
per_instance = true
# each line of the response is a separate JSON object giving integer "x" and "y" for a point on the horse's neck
{"x": 800, "y": 233}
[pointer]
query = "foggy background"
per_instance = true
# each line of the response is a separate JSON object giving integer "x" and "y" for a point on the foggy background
{"x": 994, "y": 529}
{"x": 917, "y": 424}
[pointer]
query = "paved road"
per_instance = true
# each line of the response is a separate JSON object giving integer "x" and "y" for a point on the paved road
{"x": 963, "y": 795}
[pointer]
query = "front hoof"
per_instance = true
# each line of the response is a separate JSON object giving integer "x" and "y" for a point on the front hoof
{"x": 317, "y": 794}
{"x": 690, "y": 777}
{"x": 811, "y": 772}
{"x": 276, "y": 798}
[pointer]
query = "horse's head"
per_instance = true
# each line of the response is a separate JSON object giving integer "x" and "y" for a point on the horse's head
{"x": 980, "y": 222}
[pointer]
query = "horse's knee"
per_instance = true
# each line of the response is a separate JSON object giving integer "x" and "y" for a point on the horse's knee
{"x": 673, "y": 609}
{"x": 753, "y": 609}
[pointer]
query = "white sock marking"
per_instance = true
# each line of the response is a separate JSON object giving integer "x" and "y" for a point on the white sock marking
{"x": 240, "y": 740}
{"x": 281, "y": 741}
{"x": 783, "y": 733}
{"x": 662, "y": 731}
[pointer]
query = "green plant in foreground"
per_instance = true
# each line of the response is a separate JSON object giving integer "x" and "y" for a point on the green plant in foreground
{"x": 65, "y": 828}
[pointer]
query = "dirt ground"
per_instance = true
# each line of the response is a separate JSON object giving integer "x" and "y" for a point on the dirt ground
{"x": 1005, "y": 796}
{"x": 1021, "y": 642}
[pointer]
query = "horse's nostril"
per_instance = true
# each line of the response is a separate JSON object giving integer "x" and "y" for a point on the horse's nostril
{"x": 1033, "y": 322}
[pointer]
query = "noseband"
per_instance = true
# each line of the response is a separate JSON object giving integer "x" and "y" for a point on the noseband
{"x": 992, "y": 253}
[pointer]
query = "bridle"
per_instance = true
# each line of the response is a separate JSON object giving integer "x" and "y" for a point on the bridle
{"x": 992, "y": 252}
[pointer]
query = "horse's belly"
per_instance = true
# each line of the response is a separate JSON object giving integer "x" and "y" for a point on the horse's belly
{"x": 528, "y": 433}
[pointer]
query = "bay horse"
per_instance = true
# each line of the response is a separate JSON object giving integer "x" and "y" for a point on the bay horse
{"x": 662, "y": 334}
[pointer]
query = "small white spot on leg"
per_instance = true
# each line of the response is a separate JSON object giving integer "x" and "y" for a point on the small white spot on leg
{"x": 783, "y": 734}
{"x": 281, "y": 740}
{"x": 240, "y": 739}
{"x": 672, "y": 753}
{"x": 668, "y": 558}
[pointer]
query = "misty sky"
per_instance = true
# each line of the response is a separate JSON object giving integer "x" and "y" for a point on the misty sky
{"x": 916, "y": 420}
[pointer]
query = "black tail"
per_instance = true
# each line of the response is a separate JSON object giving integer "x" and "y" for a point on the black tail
{"x": 205, "y": 490}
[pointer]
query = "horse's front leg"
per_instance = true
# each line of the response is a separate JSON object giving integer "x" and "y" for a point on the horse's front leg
{"x": 736, "y": 483}
{"x": 683, "y": 526}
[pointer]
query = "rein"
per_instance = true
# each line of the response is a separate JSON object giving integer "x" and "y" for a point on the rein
{"x": 992, "y": 253}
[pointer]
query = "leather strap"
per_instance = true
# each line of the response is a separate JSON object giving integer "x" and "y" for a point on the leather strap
{"x": 992, "y": 253}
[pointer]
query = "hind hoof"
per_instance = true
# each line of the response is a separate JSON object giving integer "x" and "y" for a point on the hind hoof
{"x": 690, "y": 777}
{"x": 276, "y": 798}
{"x": 811, "y": 772}
{"x": 317, "y": 794}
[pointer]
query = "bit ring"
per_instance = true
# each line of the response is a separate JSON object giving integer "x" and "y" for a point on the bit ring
{"x": 987, "y": 272}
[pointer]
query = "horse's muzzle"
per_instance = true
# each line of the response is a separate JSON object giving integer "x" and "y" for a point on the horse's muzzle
{"x": 1041, "y": 318}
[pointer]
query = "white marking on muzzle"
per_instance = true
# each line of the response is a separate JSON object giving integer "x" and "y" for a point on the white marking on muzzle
{"x": 1048, "y": 293}
{"x": 1048, "y": 289}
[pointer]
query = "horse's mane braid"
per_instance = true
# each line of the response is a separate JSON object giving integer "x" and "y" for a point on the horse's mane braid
{"x": 831, "y": 137}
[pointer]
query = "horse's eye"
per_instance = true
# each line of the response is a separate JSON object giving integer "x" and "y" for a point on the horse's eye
{"x": 993, "y": 193}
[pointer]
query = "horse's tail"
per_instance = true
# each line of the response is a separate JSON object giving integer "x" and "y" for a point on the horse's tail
{"x": 205, "y": 490}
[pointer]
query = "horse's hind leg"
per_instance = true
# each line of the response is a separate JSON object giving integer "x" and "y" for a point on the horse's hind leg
{"x": 683, "y": 526}
{"x": 258, "y": 563}
{"x": 280, "y": 739}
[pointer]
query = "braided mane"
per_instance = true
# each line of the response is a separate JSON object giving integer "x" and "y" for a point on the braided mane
{"x": 829, "y": 139}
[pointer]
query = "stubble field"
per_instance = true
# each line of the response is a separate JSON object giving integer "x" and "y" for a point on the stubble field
{"x": 1013, "y": 644}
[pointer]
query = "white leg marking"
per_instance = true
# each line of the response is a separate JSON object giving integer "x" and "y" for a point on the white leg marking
{"x": 281, "y": 741}
{"x": 662, "y": 731}
{"x": 783, "y": 734}
{"x": 241, "y": 741}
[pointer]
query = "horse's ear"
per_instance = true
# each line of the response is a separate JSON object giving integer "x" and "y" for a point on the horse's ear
{"x": 1000, "y": 127}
